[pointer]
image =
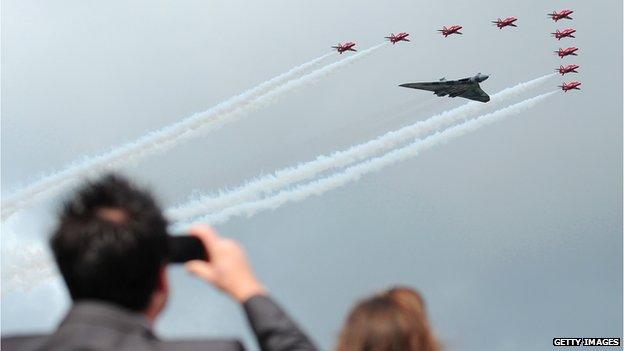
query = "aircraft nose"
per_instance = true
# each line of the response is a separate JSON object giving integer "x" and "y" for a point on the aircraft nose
{"x": 484, "y": 77}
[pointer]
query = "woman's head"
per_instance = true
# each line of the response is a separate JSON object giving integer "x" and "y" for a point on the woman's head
{"x": 394, "y": 320}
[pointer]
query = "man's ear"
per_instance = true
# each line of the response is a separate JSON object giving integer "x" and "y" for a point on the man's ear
{"x": 160, "y": 295}
{"x": 163, "y": 280}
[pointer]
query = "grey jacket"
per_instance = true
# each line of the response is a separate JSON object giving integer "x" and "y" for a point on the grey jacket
{"x": 99, "y": 326}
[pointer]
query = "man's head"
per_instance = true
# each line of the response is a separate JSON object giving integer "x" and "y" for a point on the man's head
{"x": 111, "y": 245}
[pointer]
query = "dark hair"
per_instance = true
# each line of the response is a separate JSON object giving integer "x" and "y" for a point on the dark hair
{"x": 394, "y": 320}
{"x": 111, "y": 243}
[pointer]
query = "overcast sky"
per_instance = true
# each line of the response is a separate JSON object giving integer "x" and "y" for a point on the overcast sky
{"x": 512, "y": 233}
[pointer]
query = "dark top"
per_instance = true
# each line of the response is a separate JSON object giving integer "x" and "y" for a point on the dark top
{"x": 91, "y": 325}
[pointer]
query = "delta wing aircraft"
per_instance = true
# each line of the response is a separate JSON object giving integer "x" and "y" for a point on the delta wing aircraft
{"x": 467, "y": 88}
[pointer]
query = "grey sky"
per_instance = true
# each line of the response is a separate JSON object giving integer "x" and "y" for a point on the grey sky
{"x": 513, "y": 233}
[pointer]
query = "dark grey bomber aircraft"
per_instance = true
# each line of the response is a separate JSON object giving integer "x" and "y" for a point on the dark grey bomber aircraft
{"x": 467, "y": 88}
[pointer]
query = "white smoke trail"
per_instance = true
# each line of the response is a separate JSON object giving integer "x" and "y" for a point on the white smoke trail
{"x": 30, "y": 264}
{"x": 282, "y": 178}
{"x": 24, "y": 257}
{"x": 353, "y": 173}
{"x": 27, "y": 265}
{"x": 162, "y": 139}
{"x": 314, "y": 76}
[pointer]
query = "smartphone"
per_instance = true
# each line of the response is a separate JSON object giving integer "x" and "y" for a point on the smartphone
{"x": 183, "y": 248}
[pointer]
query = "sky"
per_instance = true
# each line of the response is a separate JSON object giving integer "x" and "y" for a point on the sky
{"x": 512, "y": 233}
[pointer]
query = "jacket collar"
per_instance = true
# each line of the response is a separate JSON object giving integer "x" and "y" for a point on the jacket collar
{"x": 102, "y": 314}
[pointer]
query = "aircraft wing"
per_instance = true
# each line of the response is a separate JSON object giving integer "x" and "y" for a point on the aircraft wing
{"x": 476, "y": 93}
{"x": 430, "y": 86}
{"x": 451, "y": 88}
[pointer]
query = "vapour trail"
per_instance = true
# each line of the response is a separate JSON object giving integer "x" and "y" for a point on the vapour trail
{"x": 160, "y": 140}
{"x": 27, "y": 266}
{"x": 305, "y": 171}
{"x": 355, "y": 172}
{"x": 35, "y": 266}
{"x": 40, "y": 269}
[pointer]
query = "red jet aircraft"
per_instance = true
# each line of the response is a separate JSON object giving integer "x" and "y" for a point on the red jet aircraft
{"x": 501, "y": 23}
{"x": 397, "y": 38}
{"x": 561, "y": 15}
{"x": 566, "y": 33}
{"x": 570, "y": 86}
{"x": 348, "y": 46}
{"x": 450, "y": 30}
{"x": 567, "y": 69}
{"x": 567, "y": 52}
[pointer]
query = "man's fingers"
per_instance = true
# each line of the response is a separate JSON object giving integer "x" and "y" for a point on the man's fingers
{"x": 201, "y": 269}
{"x": 207, "y": 235}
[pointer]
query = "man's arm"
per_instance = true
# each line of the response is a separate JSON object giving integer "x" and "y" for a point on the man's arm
{"x": 273, "y": 328}
{"x": 230, "y": 271}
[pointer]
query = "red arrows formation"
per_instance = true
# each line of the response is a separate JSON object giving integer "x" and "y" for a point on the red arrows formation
{"x": 502, "y": 23}
{"x": 570, "y": 51}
